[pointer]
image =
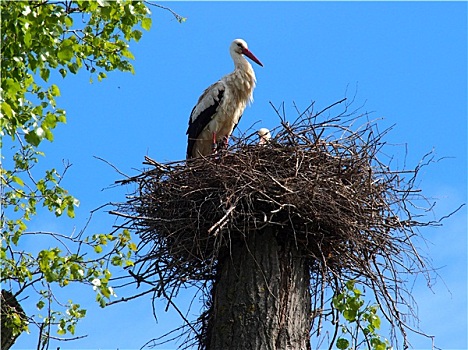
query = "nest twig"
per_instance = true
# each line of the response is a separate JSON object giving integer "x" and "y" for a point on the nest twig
{"x": 320, "y": 181}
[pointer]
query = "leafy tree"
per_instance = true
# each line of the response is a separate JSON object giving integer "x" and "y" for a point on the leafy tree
{"x": 39, "y": 37}
{"x": 361, "y": 322}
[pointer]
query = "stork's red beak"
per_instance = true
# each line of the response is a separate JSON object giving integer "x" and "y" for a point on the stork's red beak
{"x": 251, "y": 56}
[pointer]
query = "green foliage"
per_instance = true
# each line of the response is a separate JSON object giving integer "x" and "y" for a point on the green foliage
{"x": 100, "y": 45}
{"x": 361, "y": 322}
{"x": 13, "y": 318}
{"x": 41, "y": 40}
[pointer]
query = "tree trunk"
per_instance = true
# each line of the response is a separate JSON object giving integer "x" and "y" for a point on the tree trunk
{"x": 261, "y": 299}
{"x": 10, "y": 310}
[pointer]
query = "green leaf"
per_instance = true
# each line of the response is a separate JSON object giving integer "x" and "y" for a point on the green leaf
{"x": 40, "y": 304}
{"x": 55, "y": 91}
{"x": 342, "y": 343}
{"x": 48, "y": 135}
{"x": 32, "y": 138}
{"x": 18, "y": 180}
{"x": 128, "y": 54}
{"x": 65, "y": 52}
{"x": 146, "y": 23}
{"x": 68, "y": 21}
{"x": 375, "y": 321}
{"x": 6, "y": 109}
{"x": 73, "y": 67}
{"x": 12, "y": 86}
{"x": 27, "y": 39}
{"x": 71, "y": 328}
{"x": 350, "y": 284}
{"x": 101, "y": 300}
{"x": 63, "y": 72}
{"x": 71, "y": 211}
{"x": 44, "y": 72}
{"x": 350, "y": 315}
{"x": 101, "y": 76}
{"x": 137, "y": 34}
{"x": 116, "y": 260}
{"x": 378, "y": 344}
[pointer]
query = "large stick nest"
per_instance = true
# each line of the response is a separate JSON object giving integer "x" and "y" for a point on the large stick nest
{"x": 319, "y": 181}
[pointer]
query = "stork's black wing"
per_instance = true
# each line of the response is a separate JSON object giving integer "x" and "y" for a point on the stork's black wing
{"x": 203, "y": 112}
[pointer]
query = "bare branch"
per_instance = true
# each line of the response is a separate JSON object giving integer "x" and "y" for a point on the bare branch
{"x": 178, "y": 17}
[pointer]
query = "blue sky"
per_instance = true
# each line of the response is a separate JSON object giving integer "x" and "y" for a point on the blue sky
{"x": 408, "y": 61}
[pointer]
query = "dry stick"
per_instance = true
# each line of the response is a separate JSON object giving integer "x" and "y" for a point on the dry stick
{"x": 219, "y": 225}
{"x": 169, "y": 299}
{"x": 113, "y": 166}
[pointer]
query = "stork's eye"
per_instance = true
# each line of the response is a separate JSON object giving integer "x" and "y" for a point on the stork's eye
{"x": 240, "y": 45}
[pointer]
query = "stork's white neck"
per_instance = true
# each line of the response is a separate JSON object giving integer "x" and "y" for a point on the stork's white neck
{"x": 241, "y": 63}
{"x": 241, "y": 81}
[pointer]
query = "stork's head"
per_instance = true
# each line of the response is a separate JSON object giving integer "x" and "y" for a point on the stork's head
{"x": 239, "y": 47}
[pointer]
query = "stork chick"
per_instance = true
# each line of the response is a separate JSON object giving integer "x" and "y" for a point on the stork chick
{"x": 264, "y": 136}
{"x": 221, "y": 105}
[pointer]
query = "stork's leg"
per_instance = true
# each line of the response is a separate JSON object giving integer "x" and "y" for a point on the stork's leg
{"x": 214, "y": 144}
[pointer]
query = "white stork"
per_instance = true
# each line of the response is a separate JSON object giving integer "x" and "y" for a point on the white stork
{"x": 264, "y": 136}
{"x": 221, "y": 105}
